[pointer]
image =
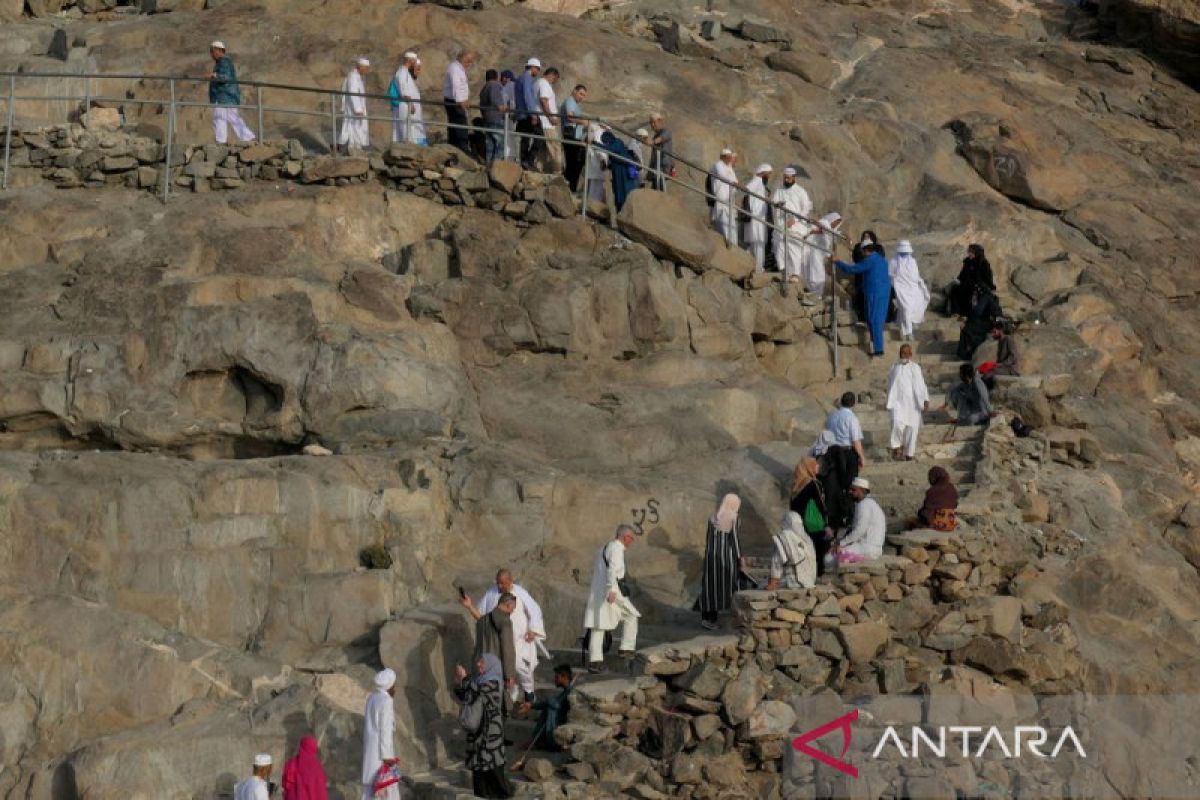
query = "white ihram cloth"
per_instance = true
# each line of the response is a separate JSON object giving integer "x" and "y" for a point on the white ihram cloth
{"x": 355, "y": 131}
{"x": 818, "y": 247}
{"x": 379, "y": 726}
{"x": 789, "y": 248}
{"x": 867, "y": 531}
{"x": 601, "y": 615}
{"x": 253, "y": 788}
{"x": 526, "y": 617}
{"x": 912, "y": 295}
{"x": 794, "y": 561}
{"x": 225, "y": 117}
{"x": 597, "y": 164}
{"x": 404, "y": 118}
{"x": 756, "y": 226}
{"x": 721, "y": 214}
{"x": 906, "y": 399}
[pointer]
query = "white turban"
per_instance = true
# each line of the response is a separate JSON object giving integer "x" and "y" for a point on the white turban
{"x": 789, "y": 172}
{"x": 860, "y": 483}
{"x": 385, "y": 679}
{"x": 262, "y": 760}
{"x": 533, "y": 62}
{"x": 362, "y": 61}
{"x": 409, "y": 56}
{"x": 761, "y": 168}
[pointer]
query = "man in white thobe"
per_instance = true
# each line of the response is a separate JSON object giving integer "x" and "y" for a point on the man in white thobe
{"x": 907, "y": 399}
{"x": 607, "y": 605}
{"x": 355, "y": 133}
{"x": 818, "y": 247}
{"x": 724, "y": 180}
{"x": 912, "y": 295}
{"x": 757, "y": 222}
{"x": 867, "y": 532}
{"x": 596, "y": 165}
{"x": 408, "y": 118}
{"x": 379, "y": 727}
{"x": 791, "y": 225}
{"x": 255, "y": 787}
{"x": 528, "y": 627}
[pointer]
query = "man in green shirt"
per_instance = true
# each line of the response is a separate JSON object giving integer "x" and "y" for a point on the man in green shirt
{"x": 225, "y": 96}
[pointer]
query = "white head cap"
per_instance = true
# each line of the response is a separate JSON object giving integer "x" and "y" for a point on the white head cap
{"x": 789, "y": 172}
{"x": 362, "y": 61}
{"x": 761, "y": 168}
{"x": 533, "y": 62}
{"x": 409, "y": 56}
{"x": 217, "y": 45}
{"x": 641, "y": 132}
{"x": 385, "y": 679}
{"x": 262, "y": 760}
{"x": 726, "y": 151}
{"x": 903, "y": 247}
{"x": 860, "y": 483}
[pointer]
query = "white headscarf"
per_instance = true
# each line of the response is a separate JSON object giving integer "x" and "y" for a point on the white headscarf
{"x": 727, "y": 512}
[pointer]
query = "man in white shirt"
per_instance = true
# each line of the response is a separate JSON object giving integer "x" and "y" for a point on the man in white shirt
{"x": 408, "y": 117}
{"x": 456, "y": 96}
{"x": 866, "y": 536}
{"x": 722, "y": 183}
{"x": 548, "y": 119}
{"x": 607, "y": 605}
{"x": 256, "y": 787}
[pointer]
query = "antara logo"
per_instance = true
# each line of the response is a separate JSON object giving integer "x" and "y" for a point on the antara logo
{"x": 1024, "y": 738}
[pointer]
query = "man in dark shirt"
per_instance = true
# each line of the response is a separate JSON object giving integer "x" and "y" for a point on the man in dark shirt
{"x": 661, "y": 162}
{"x": 225, "y": 97}
{"x": 492, "y": 105}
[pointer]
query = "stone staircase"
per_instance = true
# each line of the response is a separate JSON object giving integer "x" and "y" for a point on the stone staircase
{"x": 898, "y": 486}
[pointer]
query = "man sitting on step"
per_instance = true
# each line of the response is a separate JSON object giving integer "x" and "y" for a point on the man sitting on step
{"x": 865, "y": 539}
{"x": 969, "y": 398}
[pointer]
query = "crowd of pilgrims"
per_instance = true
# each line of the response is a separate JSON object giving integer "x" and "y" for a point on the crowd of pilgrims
{"x": 832, "y": 518}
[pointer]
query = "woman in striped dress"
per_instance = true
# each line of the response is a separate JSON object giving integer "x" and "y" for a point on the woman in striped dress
{"x": 722, "y": 562}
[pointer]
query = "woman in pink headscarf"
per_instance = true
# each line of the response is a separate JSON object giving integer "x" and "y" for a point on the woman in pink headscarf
{"x": 303, "y": 775}
{"x": 722, "y": 561}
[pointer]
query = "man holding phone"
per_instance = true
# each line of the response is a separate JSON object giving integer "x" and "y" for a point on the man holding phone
{"x": 527, "y": 625}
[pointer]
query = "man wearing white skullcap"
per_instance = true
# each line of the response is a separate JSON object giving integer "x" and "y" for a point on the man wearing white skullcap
{"x": 721, "y": 184}
{"x": 255, "y": 787}
{"x": 408, "y": 116}
{"x": 379, "y": 726}
{"x": 791, "y": 225}
{"x": 865, "y": 538}
{"x": 757, "y": 222}
{"x": 355, "y": 133}
{"x": 225, "y": 96}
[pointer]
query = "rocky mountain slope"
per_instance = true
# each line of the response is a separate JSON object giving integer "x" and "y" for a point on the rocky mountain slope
{"x": 183, "y": 587}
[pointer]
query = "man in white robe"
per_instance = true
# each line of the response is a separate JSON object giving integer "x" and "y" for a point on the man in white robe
{"x": 912, "y": 295}
{"x": 255, "y": 787}
{"x": 355, "y": 133}
{"x": 866, "y": 535}
{"x": 607, "y": 605}
{"x": 379, "y": 727}
{"x": 791, "y": 228}
{"x": 408, "y": 118}
{"x": 596, "y": 166}
{"x": 818, "y": 247}
{"x": 722, "y": 213}
{"x": 528, "y": 627}
{"x": 756, "y": 224}
{"x": 907, "y": 399}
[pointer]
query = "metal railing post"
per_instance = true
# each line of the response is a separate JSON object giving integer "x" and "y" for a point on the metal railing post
{"x": 660, "y": 181}
{"x": 166, "y": 189}
{"x": 333, "y": 122}
{"x": 8, "y": 126}
{"x": 833, "y": 309}
{"x": 259, "y": 99}
{"x": 587, "y": 177}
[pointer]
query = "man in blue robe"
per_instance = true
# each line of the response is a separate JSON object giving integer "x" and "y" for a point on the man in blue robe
{"x": 877, "y": 286}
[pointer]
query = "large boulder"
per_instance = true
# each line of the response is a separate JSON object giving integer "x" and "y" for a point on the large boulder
{"x": 673, "y": 230}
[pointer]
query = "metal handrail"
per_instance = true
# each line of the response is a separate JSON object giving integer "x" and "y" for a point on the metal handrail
{"x": 174, "y": 103}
